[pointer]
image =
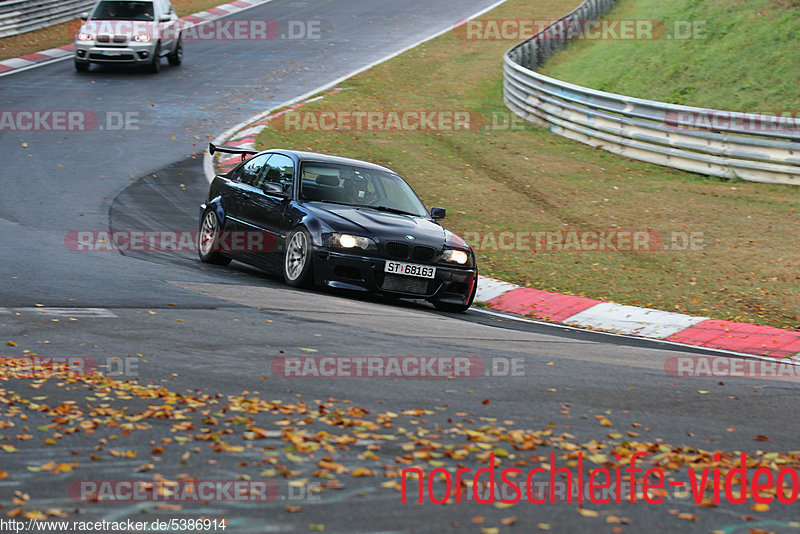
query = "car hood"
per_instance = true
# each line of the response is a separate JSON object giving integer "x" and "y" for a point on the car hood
{"x": 120, "y": 27}
{"x": 383, "y": 225}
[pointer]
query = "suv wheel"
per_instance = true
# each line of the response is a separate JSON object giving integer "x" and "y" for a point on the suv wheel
{"x": 155, "y": 63}
{"x": 176, "y": 57}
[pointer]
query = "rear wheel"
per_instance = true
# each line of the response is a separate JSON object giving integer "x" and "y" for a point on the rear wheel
{"x": 176, "y": 57}
{"x": 297, "y": 262}
{"x": 208, "y": 240}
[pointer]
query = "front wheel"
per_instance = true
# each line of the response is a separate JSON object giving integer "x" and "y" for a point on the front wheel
{"x": 81, "y": 66}
{"x": 208, "y": 240}
{"x": 176, "y": 57}
{"x": 155, "y": 64}
{"x": 457, "y": 308}
{"x": 297, "y": 262}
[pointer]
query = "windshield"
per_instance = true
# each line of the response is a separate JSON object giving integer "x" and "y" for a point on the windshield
{"x": 113, "y": 10}
{"x": 358, "y": 186}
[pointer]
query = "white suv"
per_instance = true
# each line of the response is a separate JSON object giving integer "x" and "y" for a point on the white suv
{"x": 138, "y": 32}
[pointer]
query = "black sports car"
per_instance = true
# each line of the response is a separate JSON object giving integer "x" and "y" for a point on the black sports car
{"x": 326, "y": 220}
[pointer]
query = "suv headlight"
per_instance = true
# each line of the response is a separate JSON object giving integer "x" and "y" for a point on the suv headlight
{"x": 452, "y": 255}
{"x": 142, "y": 38}
{"x": 85, "y": 36}
{"x": 352, "y": 241}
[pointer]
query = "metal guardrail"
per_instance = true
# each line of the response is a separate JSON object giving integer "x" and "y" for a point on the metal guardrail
{"x": 20, "y": 16}
{"x": 713, "y": 142}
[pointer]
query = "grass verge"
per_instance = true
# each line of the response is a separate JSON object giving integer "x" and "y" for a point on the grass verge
{"x": 738, "y": 55}
{"x": 527, "y": 179}
{"x": 64, "y": 33}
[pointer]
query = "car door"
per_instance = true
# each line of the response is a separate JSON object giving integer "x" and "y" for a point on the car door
{"x": 167, "y": 21}
{"x": 236, "y": 190}
{"x": 265, "y": 209}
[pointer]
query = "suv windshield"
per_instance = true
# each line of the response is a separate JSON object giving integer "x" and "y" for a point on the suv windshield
{"x": 114, "y": 10}
{"x": 358, "y": 186}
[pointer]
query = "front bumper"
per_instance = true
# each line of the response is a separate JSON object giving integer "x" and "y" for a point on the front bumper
{"x": 366, "y": 273}
{"x": 131, "y": 54}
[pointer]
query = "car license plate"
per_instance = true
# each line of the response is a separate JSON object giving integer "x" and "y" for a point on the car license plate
{"x": 410, "y": 269}
{"x": 110, "y": 52}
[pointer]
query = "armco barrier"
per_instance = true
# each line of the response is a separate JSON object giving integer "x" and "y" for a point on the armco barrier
{"x": 656, "y": 132}
{"x": 20, "y": 16}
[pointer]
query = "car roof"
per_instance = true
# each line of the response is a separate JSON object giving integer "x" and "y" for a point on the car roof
{"x": 330, "y": 158}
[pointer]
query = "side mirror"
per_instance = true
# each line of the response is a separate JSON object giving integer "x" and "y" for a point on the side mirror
{"x": 271, "y": 188}
{"x": 165, "y": 18}
{"x": 84, "y": 15}
{"x": 437, "y": 214}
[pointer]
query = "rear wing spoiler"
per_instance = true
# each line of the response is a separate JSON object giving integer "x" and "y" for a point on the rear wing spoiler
{"x": 244, "y": 152}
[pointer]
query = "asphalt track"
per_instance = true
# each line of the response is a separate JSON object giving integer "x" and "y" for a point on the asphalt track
{"x": 217, "y": 330}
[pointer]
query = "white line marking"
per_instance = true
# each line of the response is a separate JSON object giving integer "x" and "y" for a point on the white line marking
{"x": 489, "y": 288}
{"x": 56, "y": 52}
{"x": 612, "y": 334}
{"x": 208, "y": 164}
{"x": 645, "y": 322}
{"x": 70, "y": 312}
{"x": 17, "y": 63}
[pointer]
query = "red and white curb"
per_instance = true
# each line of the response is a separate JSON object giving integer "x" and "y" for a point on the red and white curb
{"x": 18, "y": 64}
{"x": 648, "y": 323}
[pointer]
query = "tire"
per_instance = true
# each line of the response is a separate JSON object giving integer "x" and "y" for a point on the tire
{"x": 208, "y": 240}
{"x": 457, "y": 308}
{"x": 81, "y": 66}
{"x": 155, "y": 63}
{"x": 176, "y": 57}
{"x": 298, "y": 268}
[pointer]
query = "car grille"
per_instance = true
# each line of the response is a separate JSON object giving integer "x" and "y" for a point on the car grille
{"x": 401, "y": 251}
{"x": 118, "y": 39}
{"x": 422, "y": 253}
{"x": 406, "y": 284}
{"x": 397, "y": 251}
{"x": 121, "y": 57}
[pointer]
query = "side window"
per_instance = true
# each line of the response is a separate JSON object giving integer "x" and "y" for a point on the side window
{"x": 249, "y": 172}
{"x": 280, "y": 169}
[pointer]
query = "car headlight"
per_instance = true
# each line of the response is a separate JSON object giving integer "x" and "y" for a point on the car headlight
{"x": 142, "y": 38}
{"x": 455, "y": 256}
{"x": 352, "y": 241}
{"x": 85, "y": 37}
